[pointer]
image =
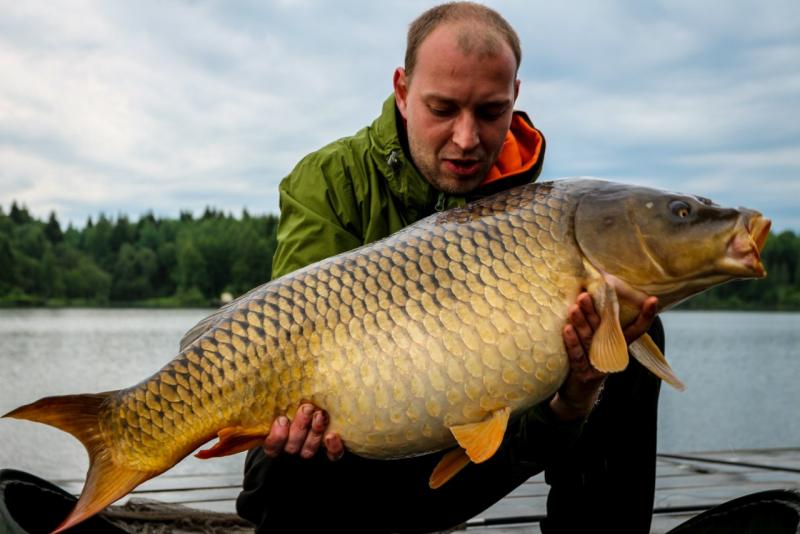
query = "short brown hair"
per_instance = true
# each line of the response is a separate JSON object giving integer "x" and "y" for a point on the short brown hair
{"x": 458, "y": 12}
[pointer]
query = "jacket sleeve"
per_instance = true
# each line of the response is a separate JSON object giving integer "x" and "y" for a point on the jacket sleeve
{"x": 319, "y": 216}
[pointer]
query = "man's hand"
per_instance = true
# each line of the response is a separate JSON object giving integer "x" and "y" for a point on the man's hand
{"x": 303, "y": 435}
{"x": 580, "y": 391}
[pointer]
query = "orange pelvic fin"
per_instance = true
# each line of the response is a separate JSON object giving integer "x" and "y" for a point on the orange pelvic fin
{"x": 648, "y": 354}
{"x": 448, "y": 467}
{"x": 78, "y": 415}
{"x": 481, "y": 440}
{"x": 234, "y": 439}
{"x": 609, "y": 350}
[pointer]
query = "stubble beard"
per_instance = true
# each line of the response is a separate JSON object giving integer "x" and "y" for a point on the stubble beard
{"x": 431, "y": 169}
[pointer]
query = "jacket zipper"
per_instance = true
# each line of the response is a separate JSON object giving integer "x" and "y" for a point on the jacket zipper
{"x": 441, "y": 200}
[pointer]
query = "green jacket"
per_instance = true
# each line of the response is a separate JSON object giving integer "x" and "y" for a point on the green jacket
{"x": 351, "y": 192}
{"x": 362, "y": 188}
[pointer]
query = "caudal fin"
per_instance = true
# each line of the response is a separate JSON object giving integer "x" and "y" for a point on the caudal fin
{"x": 79, "y": 415}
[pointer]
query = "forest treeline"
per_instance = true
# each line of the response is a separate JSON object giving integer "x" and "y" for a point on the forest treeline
{"x": 192, "y": 261}
{"x": 188, "y": 261}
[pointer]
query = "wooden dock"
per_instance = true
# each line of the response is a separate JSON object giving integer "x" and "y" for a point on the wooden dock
{"x": 686, "y": 484}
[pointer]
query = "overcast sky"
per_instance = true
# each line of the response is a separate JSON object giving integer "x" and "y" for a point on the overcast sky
{"x": 124, "y": 107}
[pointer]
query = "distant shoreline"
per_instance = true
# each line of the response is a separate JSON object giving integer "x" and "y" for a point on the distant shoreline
{"x": 193, "y": 262}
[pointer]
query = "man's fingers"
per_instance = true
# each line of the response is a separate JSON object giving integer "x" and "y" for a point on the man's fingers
{"x": 334, "y": 446}
{"x": 578, "y": 362}
{"x": 319, "y": 422}
{"x": 650, "y": 307}
{"x": 298, "y": 431}
{"x": 305, "y": 434}
{"x": 278, "y": 434}
{"x": 581, "y": 325}
{"x": 590, "y": 315}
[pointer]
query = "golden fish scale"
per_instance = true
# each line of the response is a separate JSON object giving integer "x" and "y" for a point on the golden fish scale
{"x": 437, "y": 325}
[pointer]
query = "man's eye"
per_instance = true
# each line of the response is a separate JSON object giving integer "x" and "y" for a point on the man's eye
{"x": 441, "y": 111}
{"x": 491, "y": 114}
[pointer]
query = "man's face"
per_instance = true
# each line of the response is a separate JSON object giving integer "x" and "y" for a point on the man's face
{"x": 458, "y": 108}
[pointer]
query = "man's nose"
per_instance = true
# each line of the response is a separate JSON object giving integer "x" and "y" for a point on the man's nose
{"x": 465, "y": 132}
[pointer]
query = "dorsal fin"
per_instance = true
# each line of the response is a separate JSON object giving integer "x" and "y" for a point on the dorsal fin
{"x": 209, "y": 322}
{"x": 201, "y": 328}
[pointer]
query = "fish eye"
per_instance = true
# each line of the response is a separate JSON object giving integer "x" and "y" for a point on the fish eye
{"x": 680, "y": 209}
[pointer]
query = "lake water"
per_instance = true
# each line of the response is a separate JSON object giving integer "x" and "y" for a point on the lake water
{"x": 742, "y": 371}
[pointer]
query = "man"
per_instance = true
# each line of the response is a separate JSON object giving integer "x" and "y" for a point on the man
{"x": 447, "y": 135}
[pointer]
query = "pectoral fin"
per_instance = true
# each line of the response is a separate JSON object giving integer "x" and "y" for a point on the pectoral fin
{"x": 448, "y": 467}
{"x": 609, "y": 350}
{"x": 648, "y": 354}
{"x": 234, "y": 439}
{"x": 481, "y": 440}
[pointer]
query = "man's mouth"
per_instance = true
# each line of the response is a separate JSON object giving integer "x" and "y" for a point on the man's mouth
{"x": 462, "y": 167}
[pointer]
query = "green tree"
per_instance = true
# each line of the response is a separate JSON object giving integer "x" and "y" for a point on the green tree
{"x": 133, "y": 272}
{"x": 87, "y": 282}
{"x": 52, "y": 229}
{"x": 122, "y": 233}
{"x": 191, "y": 272}
{"x": 8, "y": 279}
{"x": 97, "y": 243}
{"x": 164, "y": 281}
{"x": 19, "y": 215}
{"x": 52, "y": 278}
{"x": 30, "y": 240}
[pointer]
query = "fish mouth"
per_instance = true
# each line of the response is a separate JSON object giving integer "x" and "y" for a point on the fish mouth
{"x": 744, "y": 249}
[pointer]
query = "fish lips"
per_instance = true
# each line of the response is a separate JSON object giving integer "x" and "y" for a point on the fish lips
{"x": 743, "y": 256}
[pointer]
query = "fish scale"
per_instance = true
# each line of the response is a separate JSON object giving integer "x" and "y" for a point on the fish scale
{"x": 433, "y": 336}
{"x": 435, "y": 322}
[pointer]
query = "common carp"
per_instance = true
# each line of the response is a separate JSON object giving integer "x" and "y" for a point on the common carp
{"x": 431, "y": 338}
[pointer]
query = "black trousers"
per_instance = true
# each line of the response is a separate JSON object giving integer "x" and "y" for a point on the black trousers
{"x": 606, "y": 482}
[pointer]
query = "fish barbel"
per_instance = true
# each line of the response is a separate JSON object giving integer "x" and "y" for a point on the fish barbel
{"x": 430, "y": 338}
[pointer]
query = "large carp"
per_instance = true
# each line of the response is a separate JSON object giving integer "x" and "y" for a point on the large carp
{"x": 430, "y": 338}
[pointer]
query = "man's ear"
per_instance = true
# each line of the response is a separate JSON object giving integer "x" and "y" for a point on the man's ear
{"x": 400, "y": 82}
{"x": 516, "y": 89}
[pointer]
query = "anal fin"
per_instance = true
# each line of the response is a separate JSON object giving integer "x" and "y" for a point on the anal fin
{"x": 481, "y": 440}
{"x": 648, "y": 354}
{"x": 235, "y": 439}
{"x": 448, "y": 467}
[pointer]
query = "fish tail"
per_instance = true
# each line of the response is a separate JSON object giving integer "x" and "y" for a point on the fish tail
{"x": 79, "y": 415}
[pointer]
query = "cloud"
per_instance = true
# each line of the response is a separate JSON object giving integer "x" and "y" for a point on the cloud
{"x": 123, "y": 107}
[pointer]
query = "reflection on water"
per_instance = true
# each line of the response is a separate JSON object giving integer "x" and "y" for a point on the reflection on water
{"x": 742, "y": 371}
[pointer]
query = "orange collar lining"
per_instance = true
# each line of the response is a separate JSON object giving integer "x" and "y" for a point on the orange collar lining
{"x": 520, "y": 151}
